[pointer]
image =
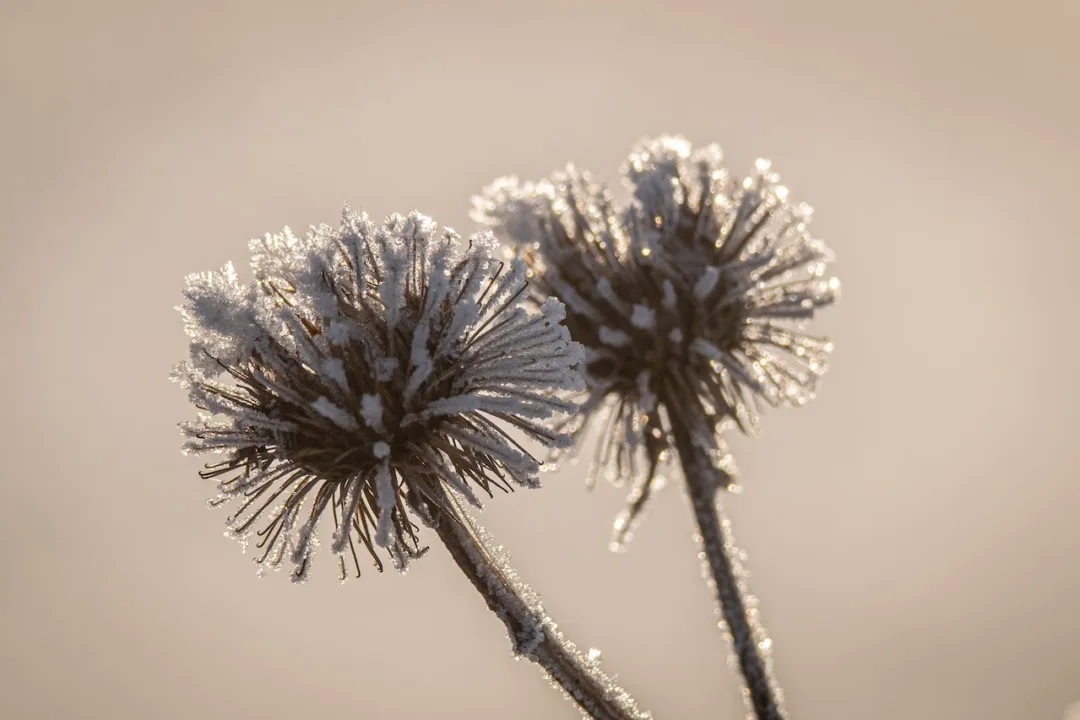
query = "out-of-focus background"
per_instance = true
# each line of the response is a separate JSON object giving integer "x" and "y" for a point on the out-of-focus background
{"x": 912, "y": 533}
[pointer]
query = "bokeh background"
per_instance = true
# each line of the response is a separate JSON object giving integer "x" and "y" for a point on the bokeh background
{"x": 912, "y": 533}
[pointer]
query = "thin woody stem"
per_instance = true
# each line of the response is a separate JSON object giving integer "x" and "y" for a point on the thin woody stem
{"x": 748, "y": 638}
{"x": 534, "y": 635}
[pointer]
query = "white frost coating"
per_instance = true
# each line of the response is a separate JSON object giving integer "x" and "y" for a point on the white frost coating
{"x": 643, "y": 317}
{"x": 707, "y": 282}
{"x": 671, "y": 302}
{"x": 390, "y": 289}
{"x": 646, "y": 396}
{"x": 452, "y": 406}
{"x": 450, "y": 477}
{"x": 675, "y": 336}
{"x": 505, "y": 287}
{"x": 352, "y": 502}
{"x": 371, "y": 410}
{"x": 217, "y": 318}
{"x": 329, "y": 410}
{"x": 573, "y": 298}
{"x": 300, "y": 341}
{"x": 387, "y": 500}
{"x": 607, "y": 292}
{"x": 275, "y": 255}
{"x": 612, "y": 337}
{"x": 334, "y": 369}
{"x": 498, "y": 449}
{"x": 662, "y": 155}
{"x": 518, "y": 402}
{"x": 385, "y": 368}
{"x": 420, "y": 361}
{"x": 381, "y": 450}
{"x": 710, "y": 351}
{"x": 466, "y": 314}
{"x": 306, "y": 535}
{"x": 705, "y": 348}
{"x": 553, "y": 310}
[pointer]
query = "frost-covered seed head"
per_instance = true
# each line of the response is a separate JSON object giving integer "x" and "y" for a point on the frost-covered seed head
{"x": 690, "y": 300}
{"x": 362, "y": 366}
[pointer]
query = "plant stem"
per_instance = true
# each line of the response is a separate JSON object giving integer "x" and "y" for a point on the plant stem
{"x": 749, "y": 641}
{"x": 534, "y": 635}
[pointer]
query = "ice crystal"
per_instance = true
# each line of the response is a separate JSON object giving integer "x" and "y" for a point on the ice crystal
{"x": 363, "y": 367}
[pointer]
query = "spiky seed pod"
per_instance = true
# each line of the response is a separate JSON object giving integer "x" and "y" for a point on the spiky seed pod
{"x": 362, "y": 368}
{"x": 691, "y": 300}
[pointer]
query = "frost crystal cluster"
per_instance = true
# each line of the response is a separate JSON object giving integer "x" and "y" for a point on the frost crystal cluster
{"x": 363, "y": 370}
{"x": 690, "y": 299}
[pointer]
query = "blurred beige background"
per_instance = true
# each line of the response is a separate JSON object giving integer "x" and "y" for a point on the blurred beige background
{"x": 912, "y": 533}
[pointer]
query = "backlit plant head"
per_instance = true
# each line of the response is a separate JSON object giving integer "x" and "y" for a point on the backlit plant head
{"x": 691, "y": 299}
{"x": 363, "y": 367}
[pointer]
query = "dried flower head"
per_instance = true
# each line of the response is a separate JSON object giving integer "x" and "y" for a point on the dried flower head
{"x": 363, "y": 366}
{"x": 690, "y": 300}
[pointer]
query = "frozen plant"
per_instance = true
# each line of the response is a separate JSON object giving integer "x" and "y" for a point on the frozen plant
{"x": 690, "y": 301}
{"x": 366, "y": 380}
